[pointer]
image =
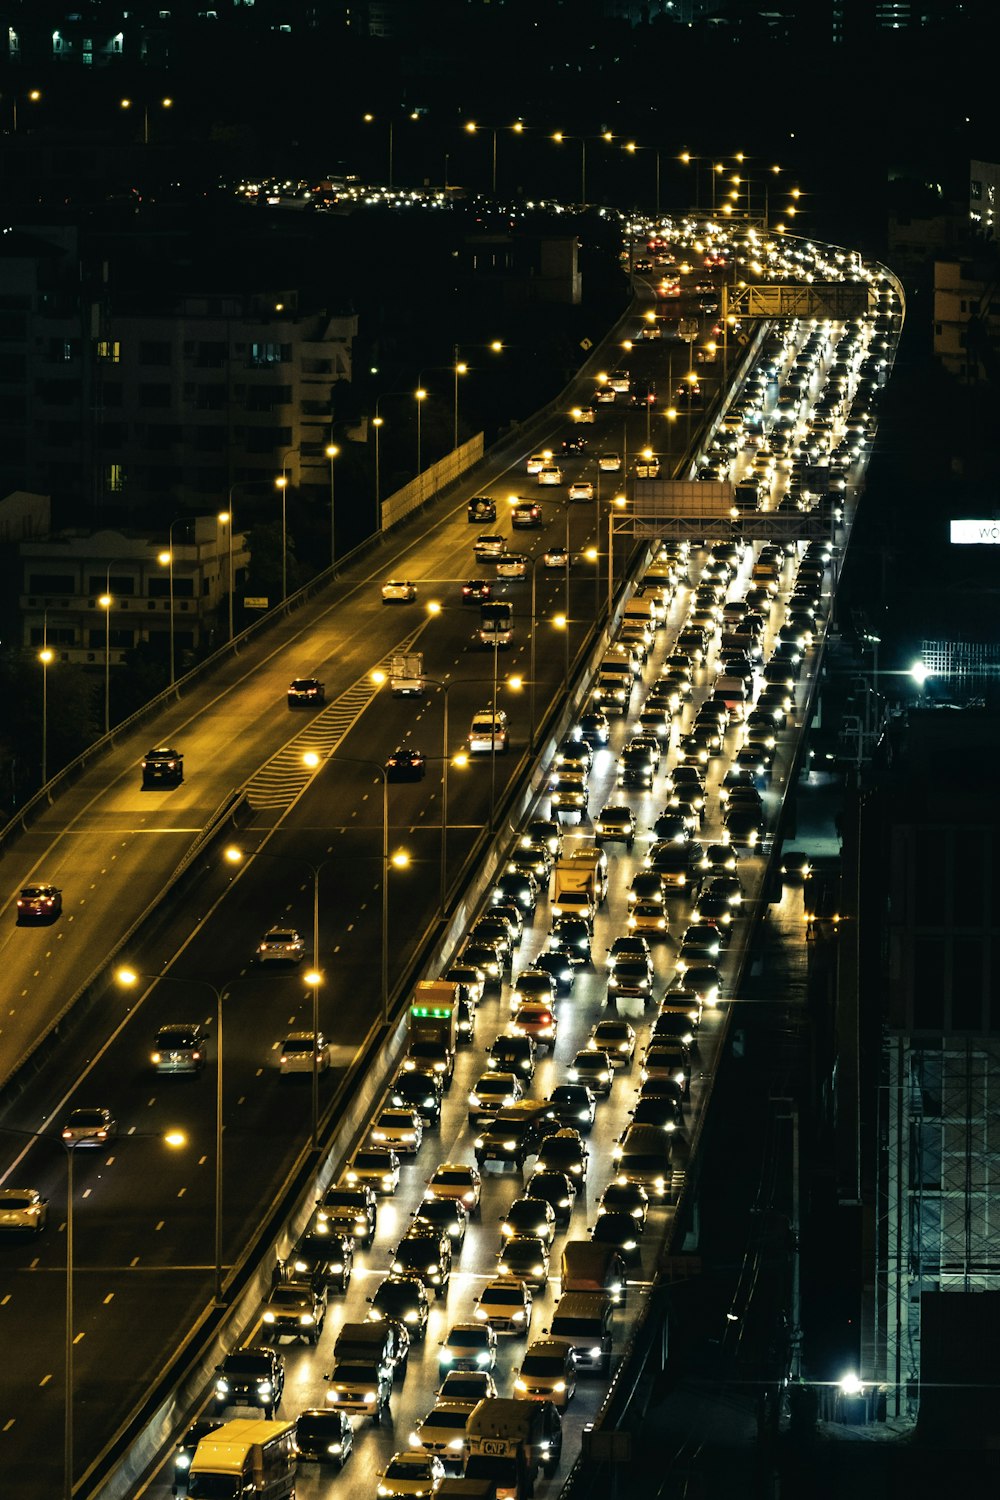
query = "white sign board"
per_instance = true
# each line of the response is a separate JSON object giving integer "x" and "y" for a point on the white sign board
{"x": 975, "y": 533}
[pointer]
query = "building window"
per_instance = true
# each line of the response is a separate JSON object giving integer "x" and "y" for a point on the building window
{"x": 109, "y": 350}
{"x": 154, "y": 352}
{"x": 975, "y": 191}
{"x": 153, "y": 397}
{"x": 117, "y": 584}
{"x": 268, "y": 354}
{"x": 51, "y": 583}
{"x": 114, "y": 479}
{"x": 928, "y": 984}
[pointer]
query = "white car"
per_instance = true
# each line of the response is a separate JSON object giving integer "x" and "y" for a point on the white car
{"x": 280, "y": 945}
{"x": 22, "y": 1211}
{"x": 442, "y": 1432}
{"x": 550, "y": 474}
{"x": 537, "y": 462}
{"x": 89, "y": 1127}
{"x": 512, "y": 565}
{"x": 298, "y": 1051}
{"x": 581, "y": 489}
{"x": 410, "y": 1474}
{"x": 583, "y": 414}
{"x": 398, "y": 591}
{"x": 505, "y": 1305}
{"x": 610, "y": 463}
{"x": 468, "y": 1346}
{"x": 402, "y": 1129}
{"x": 556, "y": 557}
{"x": 488, "y": 733}
{"x": 453, "y": 1179}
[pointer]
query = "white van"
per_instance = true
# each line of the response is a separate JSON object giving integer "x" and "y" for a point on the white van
{"x": 488, "y": 732}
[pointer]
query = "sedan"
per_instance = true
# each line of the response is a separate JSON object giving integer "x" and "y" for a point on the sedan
{"x": 475, "y": 590}
{"x": 406, "y": 765}
{"x": 648, "y": 919}
{"x": 492, "y": 1093}
{"x": 489, "y": 546}
{"x": 402, "y": 1129}
{"x": 505, "y": 1305}
{"x": 616, "y": 1039}
{"x": 626, "y": 1197}
{"x": 529, "y": 1216}
{"x": 595, "y": 728}
{"x": 594, "y": 1069}
{"x": 328, "y": 1257}
{"x": 376, "y": 1167}
{"x": 280, "y": 945}
{"x": 525, "y": 1258}
{"x": 304, "y": 1052}
{"x": 396, "y": 591}
{"x": 557, "y": 1190}
{"x": 532, "y": 985}
{"x": 581, "y": 489}
{"x": 559, "y": 969}
{"x": 574, "y": 1104}
{"x": 538, "y": 1021}
{"x": 610, "y": 463}
{"x": 555, "y": 557}
{"x": 550, "y": 474}
{"x": 456, "y": 1180}
{"x": 410, "y": 1474}
{"x": 512, "y": 565}
{"x": 618, "y": 1229}
{"x": 22, "y": 1211}
{"x": 468, "y": 1346}
{"x": 564, "y": 1151}
{"x": 89, "y": 1127}
{"x": 38, "y": 903}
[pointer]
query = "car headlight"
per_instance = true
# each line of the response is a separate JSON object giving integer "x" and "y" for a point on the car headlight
{"x": 445, "y": 1357}
{"x": 483, "y": 1357}
{"x": 335, "y": 1448}
{"x": 306, "y": 1319}
{"x": 222, "y": 1387}
{"x": 538, "y": 1270}
{"x": 265, "y": 1388}
{"x": 182, "y": 1461}
{"x": 269, "y": 1317}
{"x": 155, "y": 1058}
{"x": 520, "y": 1385}
{"x": 595, "y": 1353}
{"x": 397, "y": 1265}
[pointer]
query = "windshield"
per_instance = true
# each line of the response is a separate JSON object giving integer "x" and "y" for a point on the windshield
{"x": 399, "y": 1468}
{"x": 392, "y": 1299}
{"x": 455, "y": 1419}
{"x": 343, "y": 1200}
{"x": 318, "y": 1428}
{"x": 215, "y": 1486}
{"x": 588, "y": 1328}
{"x": 247, "y": 1364}
{"x": 452, "y": 1179}
{"x": 644, "y": 1161}
{"x": 288, "y": 1296}
{"x": 504, "y": 1296}
{"x": 377, "y": 1160}
{"x": 167, "y": 1039}
{"x": 468, "y": 1338}
{"x": 543, "y": 1364}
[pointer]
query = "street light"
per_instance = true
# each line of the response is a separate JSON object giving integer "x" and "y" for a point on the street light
{"x": 313, "y": 760}
{"x": 378, "y": 422}
{"x": 420, "y": 395}
{"x": 225, "y": 518}
{"x": 619, "y": 503}
{"x": 164, "y": 104}
{"x": 45, "y": 656}
{"x": 369, "y": 119}
{"x": 166, "y": 560}
{"x": 33, "y": 96}
{"x": 472, "y": 128}
{"x": 560, "y": 138}
{"x": 331, "y": 450}
{"x": 106, "y": 601}
{"x": 632, "y": 149}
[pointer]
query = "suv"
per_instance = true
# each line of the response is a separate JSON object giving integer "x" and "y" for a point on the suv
{"x": 162, "y": 767}
{"x": 349, "y": 1210}
{"x": 296, "y": 1309}
{"x": 515, "y": 1133}
{"x": 179, "y": 1048}
{"x": 481, "y": 508}
{"x": 420, "y": 1091}
{"x": 250, "y": 1377}
{"x": 425, "y": 1252}
{"x": 402, "y": 1298}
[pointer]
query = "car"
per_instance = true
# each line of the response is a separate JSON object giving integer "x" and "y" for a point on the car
{"x": 468, "y": 1345}
{"x": 593, "y": 1068}
{"x": 628, "y": 945}
{"x": 615, "y": 822}
{"x": 488, "y": 732}
{"x": 400, "y": 1128}
{"x": 743, "y": 825}
{"x": 471, "y": 978}
{"x": 23, "y": 1211}
{"x": 38, "y": 903}
{"x": 617, "y": 1230}
{"x": 376, "y": 1167}
{"x": 457, "y": 1180}
{"x": 609, "y": 463}
{"x": 410, "y": 1474}
{"x": 571, "y": 934}
{"x": 446, "y": 1215}
{"x": 557, "y": 1190}
{"x": 425, "y": 1252}
{"x": 648, "y": 919}
{"x": 512, "y": 565}
{"x": 399, "y": 591}
{"x": 180, "y": 1048}
{"x": 630, "y": 978}
{"x": 162, "y": 766}
{"x": 280, "y": 945}
{"x": 328, "y": 1256}
{"x": 581, "y": 489}
{"x": 513, "y": 1054}
{"x": 595, "y": 727}
{"x": 420, "y": 1090}
{"x": 568, "y": 794}
{"x": 401, "y": 1298}
{"x": 324, "y": 1436}
{"x": 574, "y": 1104}
{"x": 295, "y": 1309}
{"x": 250, "y": 1377}
{"x": 520, "y": 882}
{"x": 626, "y": 1197}
{"x": 714, "y": 906}
{"x": 505, "y": 1303}
{"x": 348, "y": 1210}
{"x": 187, "y": 1447}
{"x": 616, "y": 1039}
{"x": 702, "y": 941}
{"x": 647, "y": 885}
{"x": 492, "y": 1092}
{"x": 442, "y": 1431}
{"x": 550, "y": 474}
{"x": 303, "y": 1052}
{"x": 704, "y": 980}
{"x": 494, "y": 930}
{"x": 536, "y": 461}
{"x": 527, "y": 514}
{"x": 545, "y": 831}
{"x": 481, "y": 508}
{"x": 306, "y": 692}
{"x": 406, "y": 765}
{"x": 525, "y": 1258}
{"x": 475, "y": 590}
{"x": 468, "y": 1386}
{"x": 559, "y": 968}
{"x": 555, "y": 557}
{"x": 89, "y": 1127}
{"x": 359, "y": 1386}
{"x": 564, "y": 1151}
{"x": 537, "y": 1021}
{"x": 489, "y": 545}
{"x": 486, "y": 957}
{"x": 534, "y": 986}
{"x": 547, "y": 1373}
{"x": 529, "y": 1216}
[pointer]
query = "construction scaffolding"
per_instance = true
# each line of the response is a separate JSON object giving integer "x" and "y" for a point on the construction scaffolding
{"x": 938, "y": 1177}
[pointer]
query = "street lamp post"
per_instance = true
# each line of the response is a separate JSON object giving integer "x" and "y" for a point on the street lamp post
{"x": 421, "y": 396}
{"x": 106, "y": 601}
{"x": 226, "y": 519}
{"x": 166, "y": 559}
{"x": 331, "y": 452}
{"x": 619, "y": 503}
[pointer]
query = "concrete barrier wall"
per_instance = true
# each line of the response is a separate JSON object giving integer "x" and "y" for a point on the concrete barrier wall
{"x": 431, "y": 481}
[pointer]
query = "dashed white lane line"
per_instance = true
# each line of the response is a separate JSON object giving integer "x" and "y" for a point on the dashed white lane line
{"x": 44, "y": 1380}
